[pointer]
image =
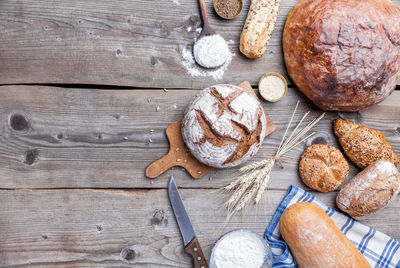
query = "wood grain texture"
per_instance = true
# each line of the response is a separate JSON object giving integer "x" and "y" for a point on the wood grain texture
{"x": 130, "y": 43}
{"x": 79, "y": 138}
{"x": 136, "y": 228}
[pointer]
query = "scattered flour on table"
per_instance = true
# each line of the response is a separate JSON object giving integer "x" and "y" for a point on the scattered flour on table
{"x": 238, "y": 250}
{"x": 195, "y": 70}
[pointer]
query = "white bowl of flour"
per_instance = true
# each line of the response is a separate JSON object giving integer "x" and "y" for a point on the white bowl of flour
{"x": 241, "y": 249}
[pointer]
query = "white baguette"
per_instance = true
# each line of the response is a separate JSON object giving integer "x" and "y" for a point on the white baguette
{"x": 258, "y": 27}
{"x": 316, "y": 241}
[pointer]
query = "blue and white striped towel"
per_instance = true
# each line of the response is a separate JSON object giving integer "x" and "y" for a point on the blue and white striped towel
{"x": 379, "y": 249}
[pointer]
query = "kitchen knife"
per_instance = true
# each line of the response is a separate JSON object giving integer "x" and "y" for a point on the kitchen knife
{"x": 191, "y": 244}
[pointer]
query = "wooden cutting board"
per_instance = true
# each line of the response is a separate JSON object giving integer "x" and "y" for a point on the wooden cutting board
{"x": 179, "y": 154}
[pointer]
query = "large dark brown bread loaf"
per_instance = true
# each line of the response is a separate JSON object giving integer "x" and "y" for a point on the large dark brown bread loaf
{"x": 224, "y": 126}
{"x": 344, "y": 55}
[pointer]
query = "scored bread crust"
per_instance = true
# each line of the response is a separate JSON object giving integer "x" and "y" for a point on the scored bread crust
{"x": 224, "y": 126}
{"x": 323, "y": 167}
{"x": 316, "y": 241}
{"x": 344, "y": 55}
{"x": 370, "y": 190}
{"x": 363, "y": 145}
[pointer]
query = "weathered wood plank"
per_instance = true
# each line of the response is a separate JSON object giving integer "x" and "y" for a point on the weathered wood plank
{"x": 90, "y": 228}
{"x": 130, "y": 43}
{"x": 74, "y": 138}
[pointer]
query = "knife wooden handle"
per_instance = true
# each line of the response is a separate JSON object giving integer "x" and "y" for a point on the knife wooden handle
{"x": 194, "y": 250}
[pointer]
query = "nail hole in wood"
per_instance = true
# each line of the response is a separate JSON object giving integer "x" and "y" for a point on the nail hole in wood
{"x": 158, "y": 217}
{"x": 119, "y": 52}
{"x": 18, "y": 122}
{"x": 99, "y": 228}
{"x": 30, "y": 156}
{"x": 153, "y": 60}
{"x": 128, "y": 254}
{"x": 99, "y": 137}
{"x": 116, "y": 116}
{"x": 44, "y": 237}
{"x": 60, "y": 136}
{"x": 398, "y": 130}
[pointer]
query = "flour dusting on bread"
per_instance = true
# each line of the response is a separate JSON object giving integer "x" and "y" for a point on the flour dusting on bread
{"x": 224, "y": 126}
{"x": 370, "y": 190}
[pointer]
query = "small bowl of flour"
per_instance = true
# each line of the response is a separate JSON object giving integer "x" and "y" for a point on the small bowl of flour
{"x": 239, "y": 249}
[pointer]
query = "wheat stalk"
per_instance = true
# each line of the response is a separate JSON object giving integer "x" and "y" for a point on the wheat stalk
{"x": 250, "y": 186}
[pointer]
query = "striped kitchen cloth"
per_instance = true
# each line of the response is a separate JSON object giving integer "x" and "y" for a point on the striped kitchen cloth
{"x": 379, "y": 249}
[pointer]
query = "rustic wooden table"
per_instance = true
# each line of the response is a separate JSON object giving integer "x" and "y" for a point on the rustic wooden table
{"x": 79, "y": 76}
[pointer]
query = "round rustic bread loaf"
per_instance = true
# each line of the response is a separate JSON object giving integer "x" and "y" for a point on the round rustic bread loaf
{"x": 344, "y": 55}
{"x": 323, "y": 167}
{"x": 224, "y": 126}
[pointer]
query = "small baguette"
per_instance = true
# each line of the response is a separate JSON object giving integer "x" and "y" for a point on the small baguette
{"x": 370, "y": 190}
{"x": 316, "y": 241}
{"x": 258, "y": 27}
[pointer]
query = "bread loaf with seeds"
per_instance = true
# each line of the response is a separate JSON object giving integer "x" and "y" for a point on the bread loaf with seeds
{"x": 258, "y": 27}
{"x": 323, "y": 167}
{"x": 363, "y": 145}
{"x": 224, "y": 126}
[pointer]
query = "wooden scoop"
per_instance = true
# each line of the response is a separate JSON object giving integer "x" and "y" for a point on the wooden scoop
{"x": 211, "y": 53}
{"x": 179, "y": 154}
{"x": 207, "y": 29}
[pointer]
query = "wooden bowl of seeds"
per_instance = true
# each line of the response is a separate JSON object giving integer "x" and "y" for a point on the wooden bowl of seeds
{"x": 228, "y": 9}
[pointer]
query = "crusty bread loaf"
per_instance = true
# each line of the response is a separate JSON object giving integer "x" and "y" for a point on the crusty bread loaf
{"x": 370, "y": 190}
{"x": 224, "y": 126}
{"x": 363, "y": 145}
{"x": 344, "y": 55}
{"x": 323, "y": 167}
{"x": 315, "y": 241}
{"x": 258, "y": 27}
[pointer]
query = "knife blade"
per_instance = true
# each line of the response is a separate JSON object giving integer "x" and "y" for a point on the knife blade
{"x": 190, "y": 241}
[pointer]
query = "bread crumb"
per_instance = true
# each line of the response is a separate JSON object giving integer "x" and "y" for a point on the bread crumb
{"x": 158, "y": 108}
{"x": 125, "y": 138}
{"x": 151, "y": 181}
{"x": 150, "y": 140}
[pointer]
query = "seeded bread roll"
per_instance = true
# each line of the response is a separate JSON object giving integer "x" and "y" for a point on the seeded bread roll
{"x": 323, "y": 167}
{"x": 224, "y": 126}
{"x": 363, "y": 145}
{"x": 316, "y": 241}
{"x": 258, "y": 27}
{"x": 370, "y": 190}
